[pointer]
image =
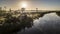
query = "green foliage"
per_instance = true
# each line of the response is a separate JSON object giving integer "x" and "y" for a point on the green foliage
{"x": 14, "y": 24}
{"x": 2, "y": 13}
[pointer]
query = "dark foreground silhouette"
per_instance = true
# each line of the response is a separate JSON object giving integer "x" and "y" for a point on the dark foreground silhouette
{"x": 15, "y": 24}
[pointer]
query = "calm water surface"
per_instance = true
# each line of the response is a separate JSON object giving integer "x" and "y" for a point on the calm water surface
{"x": 45, "y": 22}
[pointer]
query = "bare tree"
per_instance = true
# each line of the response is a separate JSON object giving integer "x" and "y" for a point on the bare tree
{"x": 5, "y": 8}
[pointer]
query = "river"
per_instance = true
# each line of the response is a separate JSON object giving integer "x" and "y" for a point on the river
{"x": 47, "y": 21}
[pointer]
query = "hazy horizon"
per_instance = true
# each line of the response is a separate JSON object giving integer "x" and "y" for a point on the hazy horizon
{"x": 31, "y": 4}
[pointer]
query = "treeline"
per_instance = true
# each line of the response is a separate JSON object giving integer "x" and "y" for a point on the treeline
{"x": 11, "y": 24}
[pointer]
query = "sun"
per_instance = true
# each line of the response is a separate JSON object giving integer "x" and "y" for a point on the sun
{"x": 23, "y": 4}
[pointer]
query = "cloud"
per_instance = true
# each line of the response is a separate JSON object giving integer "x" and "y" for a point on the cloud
{"x": 48, "y": 22}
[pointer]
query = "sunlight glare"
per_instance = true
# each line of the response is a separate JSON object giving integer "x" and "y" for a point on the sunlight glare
{"x": 23, "y": 5}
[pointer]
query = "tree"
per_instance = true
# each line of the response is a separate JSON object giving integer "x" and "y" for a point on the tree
{"x": 5, "y": 8}
{"x": 22, "y": 9}
{"x": 36, "y": 9}
{"x": 10, "y": 10}
{"x": 0, "y": 8}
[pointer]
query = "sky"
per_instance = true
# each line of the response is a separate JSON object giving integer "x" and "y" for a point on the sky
{"x": 31, "y": 4}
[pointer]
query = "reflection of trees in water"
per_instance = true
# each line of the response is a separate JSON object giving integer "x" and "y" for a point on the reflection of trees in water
{"x": 14, "y": 24}
{"x": 58, "y": 13}
{"x": 49, "y": 24}
{"x": 42, "y": 14}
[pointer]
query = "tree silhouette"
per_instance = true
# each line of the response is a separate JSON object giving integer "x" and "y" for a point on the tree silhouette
{"x": 0, "y": 8}
{"x": 15, "y": 24}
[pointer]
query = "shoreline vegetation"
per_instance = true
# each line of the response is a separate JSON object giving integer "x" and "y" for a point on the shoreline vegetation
{"x": 14, "y": 21}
